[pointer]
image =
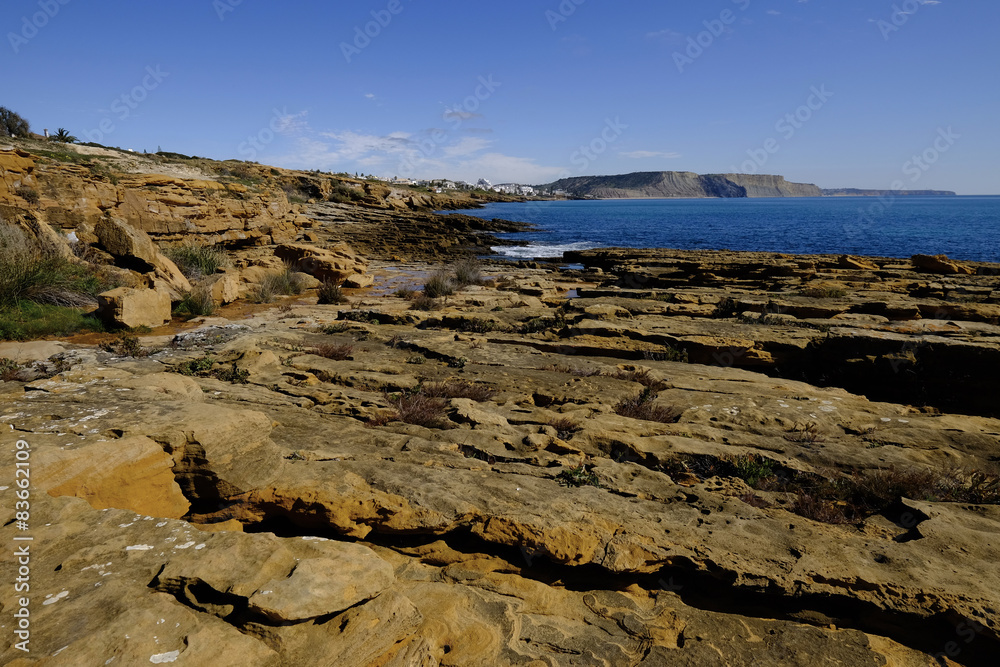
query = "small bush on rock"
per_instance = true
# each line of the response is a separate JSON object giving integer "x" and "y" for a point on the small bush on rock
{"x": 439, "y": 285}
{"x": 330, "y": 293}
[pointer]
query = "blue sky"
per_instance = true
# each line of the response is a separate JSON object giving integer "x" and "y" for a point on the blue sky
{"x": 841, "y": 93}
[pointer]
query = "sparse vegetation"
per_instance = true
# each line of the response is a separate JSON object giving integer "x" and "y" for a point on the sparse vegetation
{"x": 9, "y": 369}
{"x": 196, "y": 303}
{"x": 205, "y": 367}
{"x": 482, "y": 325}
{"x": 419, "y": 408}
{"x": 233, "y": 374}
{"x": 438, "y": 285}
{"x": 468, "y": 272}
{"x": 195, "y": 366}
{"x": 331, "y": 351}
{"x": 642, "y": 407}
{"x": 12, "y": 124}
{"x": 575, "y": 371}
{"x": 825, "y": 292}
{"x": 63, "y": 136}
{"x": 28, "y": 194}
{"x": 808, "y": 434}
{"x": 29, "y": 321}
{"x": 406, "y": 293}
{"x": 345, "y": 194}
{"x": 752, "y": 468}
{"x": 330, "y": 293}
{"x": 425, "y": 303}
{"x": 280, "y": 283}
{"x": 840, "y": 498}
{"x": 540, "y": 324}
{"x": 30, "y": 272}
{"x": 667, "y": 353}
{"x": 565, "y": 428}
{"x": 196, "y": 261}
{"x": 579, "y": 476}
{"x": 126, "y": 345}
{"x": 726, "y": 308}
{"x": 642, "y": 376}
{"x": 477, "y": 391}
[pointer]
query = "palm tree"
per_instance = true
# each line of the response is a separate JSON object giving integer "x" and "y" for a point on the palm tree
{"x": 63, "y": 136}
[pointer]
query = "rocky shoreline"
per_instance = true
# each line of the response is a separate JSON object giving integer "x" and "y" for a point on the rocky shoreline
{"x": 668, "y": 457}
{"x": 531, "y": 523}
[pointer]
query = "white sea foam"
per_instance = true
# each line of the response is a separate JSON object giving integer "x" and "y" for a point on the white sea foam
{"x": 533, "y": 251}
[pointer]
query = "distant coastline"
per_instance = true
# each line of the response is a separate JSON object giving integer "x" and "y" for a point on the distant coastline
{"x": 689, "y": 185}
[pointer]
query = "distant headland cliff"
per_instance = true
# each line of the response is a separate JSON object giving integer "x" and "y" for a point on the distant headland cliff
{"x": 668, "y": 184}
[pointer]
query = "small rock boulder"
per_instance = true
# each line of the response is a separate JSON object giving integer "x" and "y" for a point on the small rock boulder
{"x": 857, "y": 263}
{"x": 126, "y": 243}
{"x": 226, "y": 288}
{"x": 940, "y": 264}
{"x": 133, "y": 249}
{"x": 129, "y": 307}
{"x": 334, "y": 264}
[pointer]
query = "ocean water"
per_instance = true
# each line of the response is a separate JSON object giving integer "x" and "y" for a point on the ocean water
{"x": 961, "y": 227}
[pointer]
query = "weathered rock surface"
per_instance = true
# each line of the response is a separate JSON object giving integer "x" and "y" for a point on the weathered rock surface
{"x": 133, "y": 308}
{"x": 531, "y": 524}
{"x": 334, "y": 264}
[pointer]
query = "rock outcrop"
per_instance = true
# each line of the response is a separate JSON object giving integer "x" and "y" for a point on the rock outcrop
{"x": 132, "y": 308}
{"x": 668, "y": 184}
{"x": 522, "y": 478}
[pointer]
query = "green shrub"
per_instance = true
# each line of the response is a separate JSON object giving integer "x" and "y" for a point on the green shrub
{"x": 126, "y": 345}
{"x": 438, "y": 285}
{"x": 345, "y": 194}
{"x": 233, "y": 374}
{"x": 9, "y": 369}
{"x": 196, "y": 261}
{"x": 195, "y": 366}
{"x": 29, "y": 273}
{"x": 579, "y": 476}
{"x": 12, "y": 124}
{"x": 281, "y": 283}
{"x": 752, "y": 468}
{"x": 330, "y": 293}
{"x": 468, "y": 272}
{"x": 825, "y": 292}
{"x": 196, "y": 303}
